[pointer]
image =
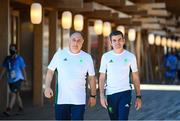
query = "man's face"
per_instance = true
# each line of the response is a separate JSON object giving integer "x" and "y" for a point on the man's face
{"x": 12, "y": 50}
{"x": 76, "y": 42}
{"x": 117, "y": 42}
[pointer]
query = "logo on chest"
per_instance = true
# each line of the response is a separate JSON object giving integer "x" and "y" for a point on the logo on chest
{"x": 65, "y": 59}
{"x": 111, "y": 61}
{"x": 81, "y": 61}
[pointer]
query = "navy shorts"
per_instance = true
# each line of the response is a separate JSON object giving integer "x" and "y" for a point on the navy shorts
{"x": 15, "y": 87}
{"x": 69, "y": 112}
{"x": 119, "y": 105}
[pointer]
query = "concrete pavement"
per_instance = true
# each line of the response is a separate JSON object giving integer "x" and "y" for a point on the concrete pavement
{"x": 157, "y": 105}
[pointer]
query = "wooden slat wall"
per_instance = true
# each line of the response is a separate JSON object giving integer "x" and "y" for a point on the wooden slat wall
{"x": 4, "y": 37}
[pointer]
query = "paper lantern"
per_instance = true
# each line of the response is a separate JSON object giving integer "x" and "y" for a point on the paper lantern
{"x": 66, "y": 19}
{"x": 106, "y": 29}
{"x": 122, "y": 29}
{"x": 132, "y": 34}
{"x": 98, "y": 27}
{"x": 78, "y": 22}
{"x": 36, "y": 13}
{"x": 158, "y": 40}
{"x": 151, "y": 39}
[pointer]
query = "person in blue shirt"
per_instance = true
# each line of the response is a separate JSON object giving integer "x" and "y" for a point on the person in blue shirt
{"x": 14, "y": 66}
{"x": 170, "y": 64}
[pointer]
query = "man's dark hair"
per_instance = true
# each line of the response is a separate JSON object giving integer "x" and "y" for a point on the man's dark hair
{"x": 13, "y": 45}
{"x": 114, "y": 33}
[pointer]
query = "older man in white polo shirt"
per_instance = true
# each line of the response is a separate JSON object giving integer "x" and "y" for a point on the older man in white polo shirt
{"x": 72, "y": 65}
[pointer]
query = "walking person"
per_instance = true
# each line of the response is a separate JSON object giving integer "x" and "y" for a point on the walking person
{"x": 14, "y": 65}
{"x": 116, "y": 64}
{"x": 72, "y": 65}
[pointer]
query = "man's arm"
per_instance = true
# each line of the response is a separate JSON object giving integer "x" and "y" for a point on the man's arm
{"x": 101, "y": 89}
{"x": 2, "y": 73}
{"x": 48, "y": 91}
{"x": 92, "y": 83}
{"x": 136, "y": 82}
{"x": 25, "y": 74}
{"x": 101, "y": 84}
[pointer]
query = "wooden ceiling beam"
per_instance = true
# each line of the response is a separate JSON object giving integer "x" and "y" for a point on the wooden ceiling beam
{"x": 26, "y": 2}
{"x": 64, "y": 3}
{"x": 151, "y": 26}
{"x": 55, "y": 3}
{"x": 98, "y": 14}
{"x": 132, "y": 10}
{"x": 112, "y": 3}
{"x": 152, "y": 5}
{"x": 160, "y": 13}
{"x": 146, "y": 20}
{"x": 157, "y": 32}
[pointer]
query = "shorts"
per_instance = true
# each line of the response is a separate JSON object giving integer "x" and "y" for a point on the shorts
{"x": 69, "y": 112}
{"x": 16, "y": 86}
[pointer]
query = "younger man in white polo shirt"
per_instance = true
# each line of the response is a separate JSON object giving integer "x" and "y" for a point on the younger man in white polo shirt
{"x": 117, "y": 64}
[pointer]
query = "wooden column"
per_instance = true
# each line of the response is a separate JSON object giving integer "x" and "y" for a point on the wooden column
{"x": 53, "y": 24}
{"x": 138, "y": 48}
{"x": 85, "y": 33}
{"x": 37, "y": 66}
{"x": 100, "y": 48}
{"x": 4, "y": 38}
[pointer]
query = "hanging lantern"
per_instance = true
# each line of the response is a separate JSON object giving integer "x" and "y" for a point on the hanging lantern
{"x": 66, "y": 19}
{"x": 177, "y": 44}
{"x": 174, "y": 43}
{"x": 132, "y": 34}
{"x": 158, "y": 40}
{"x": 163, "y": 41}
{"x": 151, "y": 39}
{"x": 169, "y": 42}
{"x": 122, "y": 29}
{"x": 78, "y": 22}
{"x": 106, "y": 29}
{"x": 98, "y": 27}
{"x": 36, "y": 13}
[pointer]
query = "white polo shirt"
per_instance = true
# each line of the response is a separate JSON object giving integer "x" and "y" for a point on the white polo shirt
{"x": 117, "y": 67}
{"x": 72, "y": 70}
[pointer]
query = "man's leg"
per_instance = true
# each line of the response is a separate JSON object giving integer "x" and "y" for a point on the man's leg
{"x": 62, "y": 112}
{"x": 113, "y": 106}
{"x": 77, "y": 112}
{"x": 12, "y": 100}
{"x": 124, "y": 105}
{"x": 10, "y": 104}
{"x": 19, "y": 100}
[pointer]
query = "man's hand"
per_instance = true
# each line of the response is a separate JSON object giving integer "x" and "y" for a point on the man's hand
{"x": 91, "y": 102}
{"x": 25, "y": 83}
{"x": 48, "y": 92}
{"x": 138, "y": 103}
{"x": 103, "y": 101}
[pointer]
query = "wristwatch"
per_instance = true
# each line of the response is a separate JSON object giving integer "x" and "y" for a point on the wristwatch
{"x": 138, "y": 96}
{"x": 93, "y": 96}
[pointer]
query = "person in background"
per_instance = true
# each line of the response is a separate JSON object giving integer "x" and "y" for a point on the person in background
{"x": 72, "y": 65}
{"x": 170, "y": 64}
{"x": 116, "y": 64}
{"x": 14, "y": 65}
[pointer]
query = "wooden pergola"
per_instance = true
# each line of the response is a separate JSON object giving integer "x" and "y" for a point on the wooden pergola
{"x": 145, "y": 16}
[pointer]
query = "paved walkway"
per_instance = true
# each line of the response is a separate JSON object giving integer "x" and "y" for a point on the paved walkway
{"x": 157, "y": 105}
